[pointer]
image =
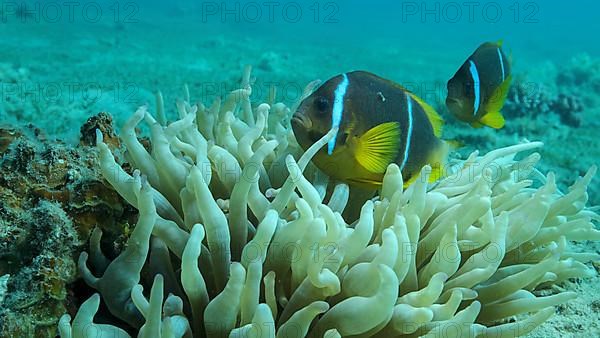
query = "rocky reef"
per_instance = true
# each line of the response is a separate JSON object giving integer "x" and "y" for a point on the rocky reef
{"x": 565, "y": 93}
{"x": 51, "y": 196}
{"x": 531, "y": 101}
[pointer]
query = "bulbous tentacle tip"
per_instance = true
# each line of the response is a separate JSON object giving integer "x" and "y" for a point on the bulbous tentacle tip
{"x": 99, "y": 137}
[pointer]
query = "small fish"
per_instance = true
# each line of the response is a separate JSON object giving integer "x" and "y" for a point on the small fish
{"x": 478, "y": 90}
{"x": 379, "y": 122}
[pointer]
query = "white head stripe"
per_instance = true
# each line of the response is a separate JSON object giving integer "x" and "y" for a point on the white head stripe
{"x": 338, "y": 109}
{"x": 501, "y": 62}
{"x": 409, "y": 131}
{"x": 476, "y": 89}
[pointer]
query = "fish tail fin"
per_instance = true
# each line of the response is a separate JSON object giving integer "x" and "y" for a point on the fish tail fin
{"x": 493, "y": 118}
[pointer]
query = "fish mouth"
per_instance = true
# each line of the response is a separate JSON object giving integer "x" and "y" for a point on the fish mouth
{"x": 301, "y": 119}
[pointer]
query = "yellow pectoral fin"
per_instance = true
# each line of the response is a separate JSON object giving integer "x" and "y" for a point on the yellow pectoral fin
{"x": 493, "y": 118}
{"x": 378, "y": 147}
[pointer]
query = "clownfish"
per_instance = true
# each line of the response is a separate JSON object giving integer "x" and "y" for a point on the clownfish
{"x": 379, "y": 122}
{"x": 476, "y": 93}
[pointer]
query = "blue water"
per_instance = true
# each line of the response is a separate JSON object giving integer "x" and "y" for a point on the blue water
{"x": 130, "y": 49}
{"x": 387, "y": 37}
{"x": 552, "y": 30}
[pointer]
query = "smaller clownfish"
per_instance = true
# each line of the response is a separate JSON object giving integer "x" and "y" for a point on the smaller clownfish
{"x": 476, "y": 93}
{"x": 379, "y": 122}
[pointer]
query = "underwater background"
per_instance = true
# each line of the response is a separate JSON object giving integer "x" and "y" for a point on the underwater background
{"x": 64, "y": 62}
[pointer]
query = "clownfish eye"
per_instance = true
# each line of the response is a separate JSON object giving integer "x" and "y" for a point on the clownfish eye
{"x": 322, "y": 104}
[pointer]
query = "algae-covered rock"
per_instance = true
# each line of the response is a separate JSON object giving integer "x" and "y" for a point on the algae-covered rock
{"x": 51, "y": 196}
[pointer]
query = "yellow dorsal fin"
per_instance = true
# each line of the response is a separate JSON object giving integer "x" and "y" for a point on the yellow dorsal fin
{"x": 378, "y": 147}
{"x": 493, "y": 118}
{"x": 436, "y": 120}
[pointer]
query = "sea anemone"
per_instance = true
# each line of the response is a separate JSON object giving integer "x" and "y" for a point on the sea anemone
{"x": 240, "y": 238}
